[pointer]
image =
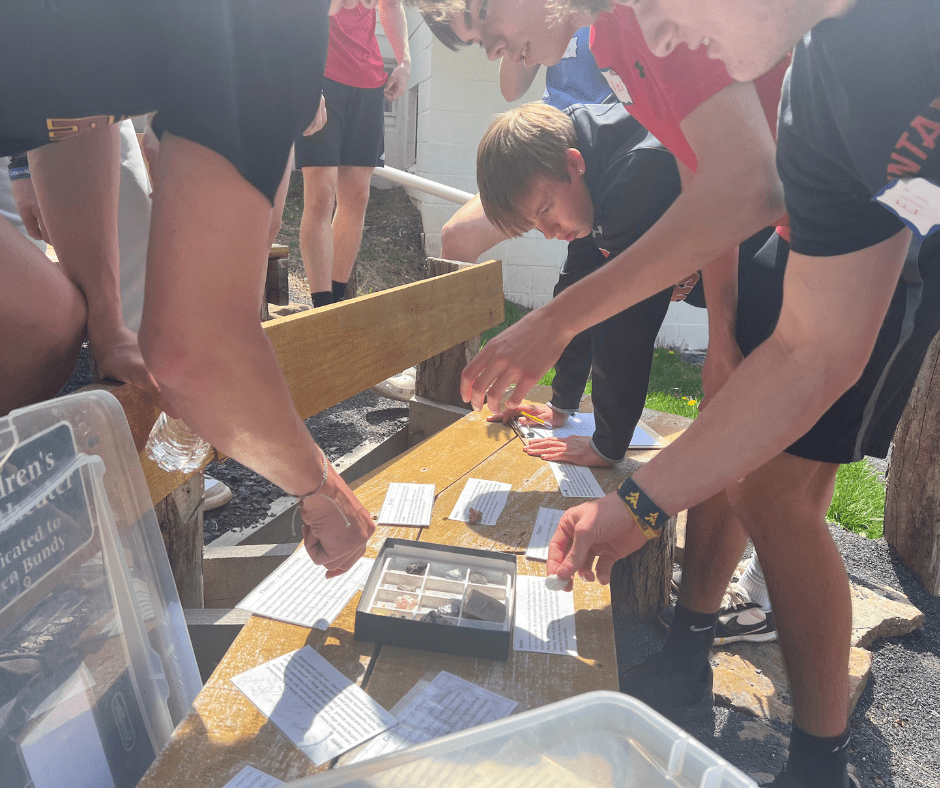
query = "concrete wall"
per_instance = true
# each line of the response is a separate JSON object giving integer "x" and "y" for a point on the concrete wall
{"x": 457, "y": 97}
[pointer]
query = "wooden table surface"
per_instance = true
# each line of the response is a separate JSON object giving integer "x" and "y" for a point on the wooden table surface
{"x": 224, "y": 732}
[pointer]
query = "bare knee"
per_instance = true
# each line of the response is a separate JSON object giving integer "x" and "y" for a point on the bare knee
{"x": 457, "y": 242}
{"x": 319, "y": 195}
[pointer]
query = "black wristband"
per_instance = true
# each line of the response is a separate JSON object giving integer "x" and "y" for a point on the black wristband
{"x": 648, "y": 516}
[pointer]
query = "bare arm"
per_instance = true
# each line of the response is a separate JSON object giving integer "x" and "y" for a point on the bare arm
{"x": 832, "y": 311}
{"x": 203, "y": 340}
{"x": 77, "y": 183}
{"x": 515, "y": 78}
{"x": 395, "y": 25}
{"x": 468, "y": 233}
{"x": 734, "y": 193}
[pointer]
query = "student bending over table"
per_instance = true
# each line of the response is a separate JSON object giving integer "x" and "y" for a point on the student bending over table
{"x": 233, "y": 82}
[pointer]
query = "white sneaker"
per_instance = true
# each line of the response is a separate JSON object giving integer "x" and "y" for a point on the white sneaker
{"x": 399, "y": 387}
{"x": 217, "y": 494}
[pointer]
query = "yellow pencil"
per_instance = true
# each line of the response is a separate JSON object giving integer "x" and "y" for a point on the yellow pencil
{"x": 534, "y": 418}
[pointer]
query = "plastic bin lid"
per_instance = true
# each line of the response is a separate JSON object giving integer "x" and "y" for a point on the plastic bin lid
{"x": 96, "y": 666}
{"x": 599, "y": 739}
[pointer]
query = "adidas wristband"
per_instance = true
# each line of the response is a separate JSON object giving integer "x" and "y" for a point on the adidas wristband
{"x": 648, "y": 516}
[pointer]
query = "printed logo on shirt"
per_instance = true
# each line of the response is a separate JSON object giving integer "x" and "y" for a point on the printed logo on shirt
{"x": 617, "y": 85}
{"x": 639, "y": 69}
{"x": 914, "y": 146}
{"x": 572, "y": 49}
{"x": 62, "y": 128}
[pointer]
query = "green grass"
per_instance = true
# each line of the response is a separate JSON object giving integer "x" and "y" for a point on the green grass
{"x": 858, "y": 502}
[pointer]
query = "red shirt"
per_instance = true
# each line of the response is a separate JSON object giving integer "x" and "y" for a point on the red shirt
{"x": 354, "y": 57}
{"x": 661, "y": 92}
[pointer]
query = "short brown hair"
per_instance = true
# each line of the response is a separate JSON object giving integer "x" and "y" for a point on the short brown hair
{"x": 520, "y": 144}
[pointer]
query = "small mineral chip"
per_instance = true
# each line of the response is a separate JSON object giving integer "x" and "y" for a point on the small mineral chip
{"x": 432, "y": 617}
{"x": 454, "y": 574}
{"x": 479, "y": 579}
{"x": 406, "y": 602}
{"x": 483, "y": 607}
{"x": 555, "y": 583}
{"x": 416, "y": 568}
{"x": 450, "y": 609}
{"x": 406, "y": 587}
{"x": 473, "y": 515}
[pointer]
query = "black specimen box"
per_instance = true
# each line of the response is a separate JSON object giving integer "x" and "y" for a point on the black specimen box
{"x": 440, "y": 598}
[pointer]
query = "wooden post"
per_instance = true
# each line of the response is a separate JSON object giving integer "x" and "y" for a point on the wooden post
{"x": 439, "y": 376}
{"x": 912, "y": 498}
{"x": 639, "y": 584}
{"x": 180, "y": 518}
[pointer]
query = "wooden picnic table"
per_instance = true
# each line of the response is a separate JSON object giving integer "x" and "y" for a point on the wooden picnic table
{"x": 224, "y": 732}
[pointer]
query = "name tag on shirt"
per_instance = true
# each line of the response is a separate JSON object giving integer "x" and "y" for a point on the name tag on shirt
{"x": 916, "y": 201}
{"x": 617, "y": 85}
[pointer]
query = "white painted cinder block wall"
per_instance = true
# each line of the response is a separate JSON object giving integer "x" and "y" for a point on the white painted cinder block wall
{"x": 458, "y": 95}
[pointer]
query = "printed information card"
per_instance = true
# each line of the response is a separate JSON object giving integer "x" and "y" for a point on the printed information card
{"x": 314, "y": 705}
{"x": 407, "y": 504}
{"x": 299, "y": 592}
{"x": 544, "y": 619}
{"x": 250, "y": 777}
{"x": 545, "y": 525}
{"x": 485, "y": 498}
{"x": 448, "y": 704}
{"x": 576, "y": 481}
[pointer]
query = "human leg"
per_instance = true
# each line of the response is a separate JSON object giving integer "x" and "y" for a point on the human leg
{"x": 43, "y": 317}
{"x": 352, "y": 199}
{"x": 316, "y": 234}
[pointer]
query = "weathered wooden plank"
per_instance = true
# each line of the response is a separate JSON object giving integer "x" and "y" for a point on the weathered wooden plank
{"x": 180, "y": 519}
{"x": 357, "y": 343}
{"x": 532, "y": 679}
{"x": 427, "y": 417}
{"x": 229, "y": 573}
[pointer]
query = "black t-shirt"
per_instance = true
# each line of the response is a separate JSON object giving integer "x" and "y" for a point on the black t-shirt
{"x": 240, "y": 77}
{"x": 860, "y": 111}
{"x": 631, "y": 177}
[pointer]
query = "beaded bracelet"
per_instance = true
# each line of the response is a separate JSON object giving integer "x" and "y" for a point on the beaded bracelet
{"x": 648, "y": 516}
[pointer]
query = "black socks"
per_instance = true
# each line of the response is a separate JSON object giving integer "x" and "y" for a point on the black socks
{"x": 817, "y": 762}
{"x": 690, "y": 638}
{"x": 322, "y": 298}
{"x": 339, "y": 291}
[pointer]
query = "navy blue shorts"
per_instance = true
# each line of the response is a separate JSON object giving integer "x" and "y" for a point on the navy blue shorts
{"x": 862, "y": 421}
{"x": 354, "y": 134}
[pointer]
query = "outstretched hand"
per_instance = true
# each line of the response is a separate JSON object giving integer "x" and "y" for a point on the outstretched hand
{"x": 601, "y": 531}
{"x": 575, "y": 450}
{"x": 517, "y": 357}
{"x": 544, "y": 412}
{"x": 336, "y": 526}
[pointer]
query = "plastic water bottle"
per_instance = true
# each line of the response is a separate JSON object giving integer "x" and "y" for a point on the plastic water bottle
{"x": 175, "y": 447}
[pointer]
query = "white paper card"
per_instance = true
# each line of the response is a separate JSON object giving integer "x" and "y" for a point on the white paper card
{"x": 487, "y": 497}
{"x": 407, "y": 504}
{"x": 916, "y": 201}
{"x": 545, "y": 525}
{"x": 576, "y": 481}
{"x": 250, "y": 777}
{"x": 447, "y": 705}
{"x": 544, "y": 619}
{"x": 314, "y": 705}
{"x": 584, "y": 424}
{"x": 299, "y": 592}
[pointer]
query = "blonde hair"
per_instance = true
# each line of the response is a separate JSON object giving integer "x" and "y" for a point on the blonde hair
{"x": 519, "y": 145}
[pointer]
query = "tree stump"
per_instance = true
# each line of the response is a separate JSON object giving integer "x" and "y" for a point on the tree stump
{"x": 180, "y": 518}
{"x": 639, "y": 583}
{"x": 912, "y": 502}
{"x": 439, "y": 377}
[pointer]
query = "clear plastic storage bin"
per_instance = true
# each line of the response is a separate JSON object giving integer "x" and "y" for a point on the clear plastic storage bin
{"x": 596, "y": 740}
{"x": 96, "y": 666}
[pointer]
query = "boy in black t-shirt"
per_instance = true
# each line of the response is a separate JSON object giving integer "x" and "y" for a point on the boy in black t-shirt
{"x": 859, "y": 158}
{"x": 590, "y": 175}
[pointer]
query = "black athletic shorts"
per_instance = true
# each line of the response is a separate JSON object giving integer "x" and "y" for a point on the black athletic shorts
{"x": 863, "y": 420}
{"x": 354, "y": 134}
{"x": 241, "y": 77}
